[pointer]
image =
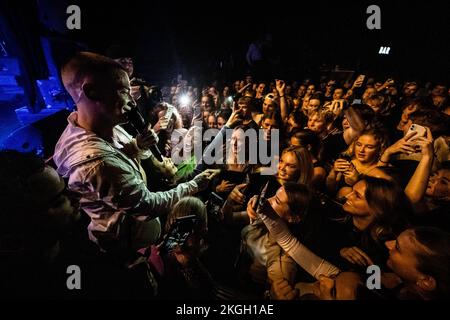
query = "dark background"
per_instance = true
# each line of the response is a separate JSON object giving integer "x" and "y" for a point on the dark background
{"x": 193, "y": 38}
{"x": 206, "y": 40}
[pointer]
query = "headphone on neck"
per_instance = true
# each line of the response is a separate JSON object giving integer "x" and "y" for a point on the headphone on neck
{"x": 89, "y": 92}
{"x": 92, "y": 94}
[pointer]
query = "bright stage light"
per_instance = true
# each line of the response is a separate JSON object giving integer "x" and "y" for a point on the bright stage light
{"x": 185, "y": 100}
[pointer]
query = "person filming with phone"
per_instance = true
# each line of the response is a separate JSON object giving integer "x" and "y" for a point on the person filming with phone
{"x": 175, "y": 259}
{"x": 405, "y": 153}
{"x": 362, "y": 158}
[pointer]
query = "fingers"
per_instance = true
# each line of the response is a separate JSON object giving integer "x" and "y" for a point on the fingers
{"x": 226, "y": 183}
{"x": 250, "y": 212}
{"x": 228, "y": 186}
{"x": 212, "y": 173}
{"x": 341, "y": 165}
{"x": 429, "y": 135}
{"x": 241, "y": 186}
{"x": 284, "y": 291}
{"x": 421, "y": 143}
{"x": 409, "y": 135}
{"x": 252, "y": 201}
{"x": 207, "y": 174}
{"x": 292, "y": 294}
{"x": 342, "y": 161}
{"x": 349, "y": 257}
{"x": 146, "y": 139}
{"x": 407, "y": 148}
{"x": 425, "y": 146}
{"x": 287, "y": 292}
{"x": 347, "y": 254}
{"x": 348, "y": 173}
{"x": 236, "y": 195}
{"x": 326, "y": 285}
{"x": 356, "y": 256}
{"x": 364, "y": 255}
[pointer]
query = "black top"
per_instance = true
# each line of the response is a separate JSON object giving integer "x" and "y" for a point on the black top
{"x": 333, "y": 145}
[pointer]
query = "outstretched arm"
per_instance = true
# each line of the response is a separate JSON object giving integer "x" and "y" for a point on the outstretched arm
{"x": 417, "y": 185}
{"x": 305, "y": 258}
{"x": 281, "y": 86}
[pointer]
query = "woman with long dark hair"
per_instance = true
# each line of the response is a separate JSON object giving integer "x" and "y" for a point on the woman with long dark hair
{"x": 377, "y": 211}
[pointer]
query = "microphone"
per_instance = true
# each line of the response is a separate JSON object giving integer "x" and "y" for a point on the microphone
{"x": 261, "y": 199}
{"x": 138, "y": 122}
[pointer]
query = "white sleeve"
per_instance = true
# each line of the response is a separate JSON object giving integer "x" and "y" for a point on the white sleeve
{"x": 305, "y": 258}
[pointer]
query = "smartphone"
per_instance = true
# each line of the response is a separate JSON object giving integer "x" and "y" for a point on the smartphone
{"x": 261, "y": 200}
{"x": 358, "y": 90}
{"x": 345, "y": 156}
{"x": 166, "y": 120}
{"x": 421, "y": 131}
{"x": 179, "y": 232}
{"x": 361, "y": 78}
{"x": 214, "y": 204}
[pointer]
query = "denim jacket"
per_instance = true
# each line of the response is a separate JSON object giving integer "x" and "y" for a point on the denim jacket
{"x": 112, "y": 185}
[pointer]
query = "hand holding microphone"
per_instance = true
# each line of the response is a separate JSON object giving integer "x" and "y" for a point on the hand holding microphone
{"x": 147, "y": 138}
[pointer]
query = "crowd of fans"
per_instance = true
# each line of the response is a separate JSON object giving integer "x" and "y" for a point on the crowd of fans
{"x": 362, "y": 179}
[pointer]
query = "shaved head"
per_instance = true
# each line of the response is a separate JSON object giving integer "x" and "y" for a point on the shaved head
{"x": 89, "y": 67}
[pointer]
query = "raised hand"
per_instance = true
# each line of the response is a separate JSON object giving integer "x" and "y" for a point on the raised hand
{"x": 404, "y": 145}
{"x": 280, "y": 86}
{"x": 225, "y": 186}
{"x": 356, "y": 256}
{"x": 241, "y": 90}
{"x": 425, "y": 144}
{"x": 236, "y": 195}
{"x": 235, "y": 119}
{"x": 358, "y": 82}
